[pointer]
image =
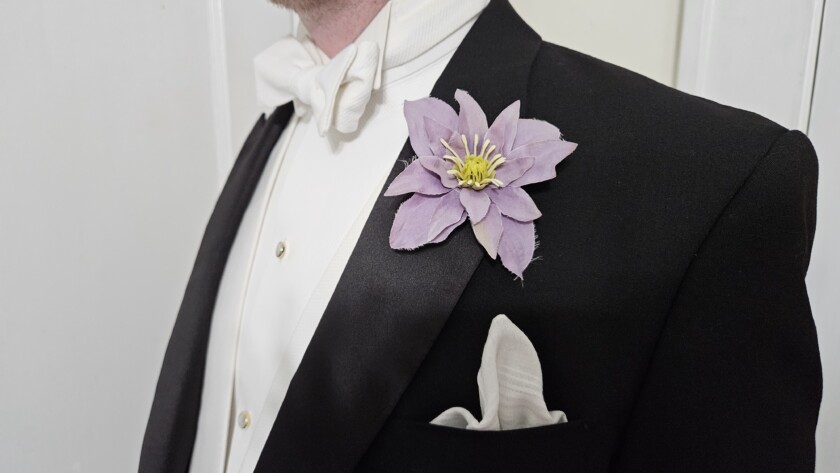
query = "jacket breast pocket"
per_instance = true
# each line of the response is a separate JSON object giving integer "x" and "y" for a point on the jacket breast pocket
{"x": 415, "y": 447}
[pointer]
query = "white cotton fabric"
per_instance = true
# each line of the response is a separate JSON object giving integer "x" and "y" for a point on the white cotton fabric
{"x": 316, "y": 194}
{"x": 337, "y": 91}
{"x": 510, "y": 386}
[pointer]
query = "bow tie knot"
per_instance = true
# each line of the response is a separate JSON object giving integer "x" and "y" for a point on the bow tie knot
{"x": 337, "y": 92}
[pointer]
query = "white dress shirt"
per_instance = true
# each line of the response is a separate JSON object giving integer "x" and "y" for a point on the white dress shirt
{"x": 313, "y": 197}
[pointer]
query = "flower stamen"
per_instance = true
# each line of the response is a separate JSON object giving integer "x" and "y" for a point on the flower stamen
{"x": 455, "y": 158}
{"x": 475, "y": 170}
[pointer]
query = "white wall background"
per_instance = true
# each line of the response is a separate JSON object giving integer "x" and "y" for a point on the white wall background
{"x": 119, "y": 120}
{"x": 754, "y": 54}
{"x": 641, "y": 35}
{"x": 106, "y": 178}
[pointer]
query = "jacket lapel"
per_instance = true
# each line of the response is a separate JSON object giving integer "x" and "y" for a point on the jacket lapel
{"x": 170, "y": 433}
{"x": 389, "y": 306}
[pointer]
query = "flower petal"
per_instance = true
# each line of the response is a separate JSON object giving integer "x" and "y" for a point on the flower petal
{"x": 548, "y": 154}
{"x": 477, "y": 203}
{"x": 436, "y": 131}
{"x": 502, "y": 132}
{"x": 530, "y": 130}
{"x": 416, "y": 178}
{"x": 515, "y": 203}
{"x": 416, "y": 112}
{"x": 440, "y": 167}
{"x": 471, "y": 119}
{"x": 488, "y": 231}
{"x": 445, "y": 233}
{"x": 410, "y": 229}
{"x": 516, "y": 249}
{"x": 513, "y": 169}
{"x": 448, "y": 211}
{"x": 457, "y": 145}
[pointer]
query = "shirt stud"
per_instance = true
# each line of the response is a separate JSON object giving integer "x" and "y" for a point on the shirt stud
{"x": 244, "y": 419}
{"x": 281, "y": 249}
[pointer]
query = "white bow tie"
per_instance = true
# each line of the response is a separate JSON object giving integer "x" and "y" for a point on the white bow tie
{"x": 337, "y": 93}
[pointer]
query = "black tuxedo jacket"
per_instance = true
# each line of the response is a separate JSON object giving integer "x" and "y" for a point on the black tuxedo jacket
{"x": 668, "y": 305}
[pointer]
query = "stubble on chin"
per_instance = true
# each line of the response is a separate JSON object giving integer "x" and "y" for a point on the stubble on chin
{"x": 310, "y": 7}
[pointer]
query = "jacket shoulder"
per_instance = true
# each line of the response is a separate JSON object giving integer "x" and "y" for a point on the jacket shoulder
{"x": 587, "y": 95}
{"x": 652, "y": 163}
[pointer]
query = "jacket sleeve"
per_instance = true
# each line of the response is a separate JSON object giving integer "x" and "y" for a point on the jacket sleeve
{"x": 734, "y": 384}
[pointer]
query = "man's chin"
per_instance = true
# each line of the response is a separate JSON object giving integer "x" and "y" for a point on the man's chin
{"x": 305, "y": 5}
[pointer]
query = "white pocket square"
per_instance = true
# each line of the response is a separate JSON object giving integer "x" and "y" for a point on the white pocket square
{"x": 510, "y": 386}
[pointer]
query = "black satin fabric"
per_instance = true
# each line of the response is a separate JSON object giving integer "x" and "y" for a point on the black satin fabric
{"x": 667, "y": 303}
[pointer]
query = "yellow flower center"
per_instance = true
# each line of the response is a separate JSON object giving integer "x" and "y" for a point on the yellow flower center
{"x": 475, "y": 170}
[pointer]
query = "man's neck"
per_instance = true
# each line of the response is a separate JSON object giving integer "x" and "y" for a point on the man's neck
{"x": 339, "y": 23}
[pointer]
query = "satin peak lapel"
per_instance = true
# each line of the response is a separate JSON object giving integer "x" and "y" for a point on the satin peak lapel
{"x": 389, "y": 306}
{"x": 170, "y": 433}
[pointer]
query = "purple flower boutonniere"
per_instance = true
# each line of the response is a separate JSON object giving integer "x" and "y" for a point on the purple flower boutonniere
{"x": 465, "y": 169}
